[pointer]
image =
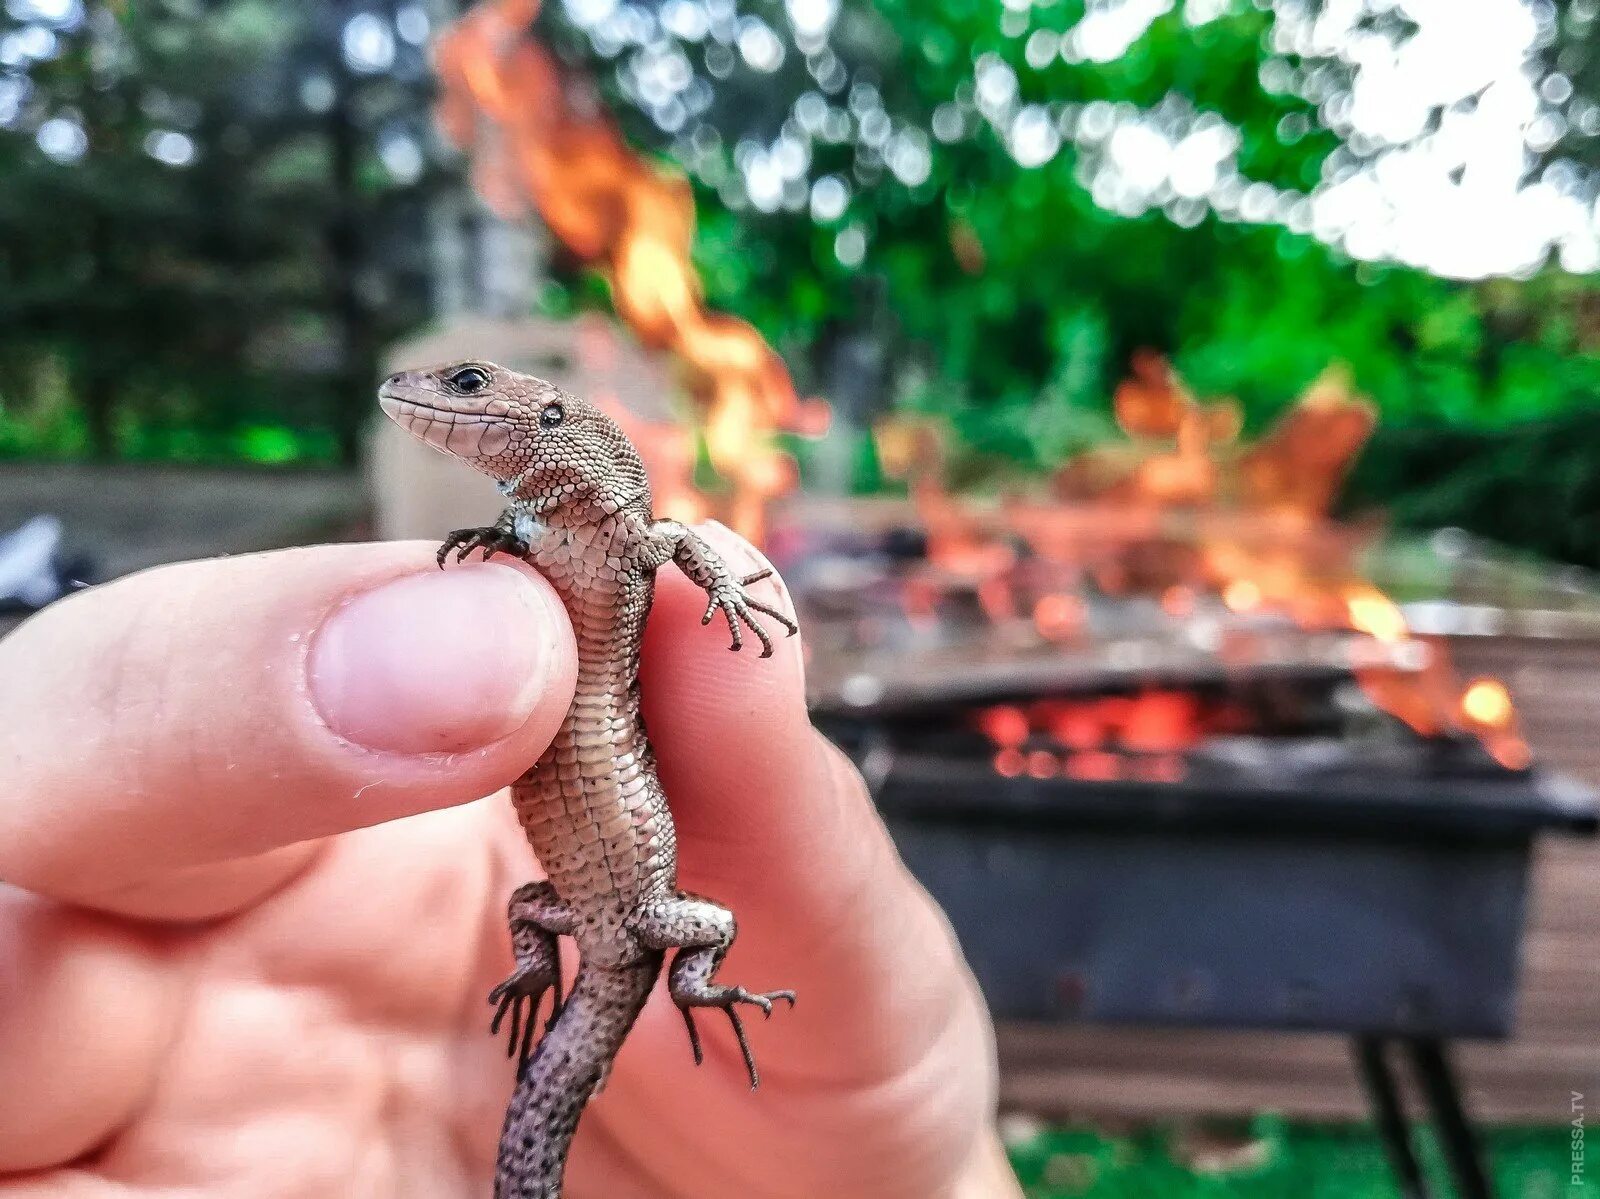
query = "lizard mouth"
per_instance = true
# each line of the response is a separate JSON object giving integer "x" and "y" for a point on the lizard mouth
{"x": 473, "y": 436}
{"x": 404, "y": 404}
{"x": 391, "y": 402}
{"x": 393, "y": 393}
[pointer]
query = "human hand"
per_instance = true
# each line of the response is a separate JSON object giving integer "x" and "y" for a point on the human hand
{"x": 252, "y": 913}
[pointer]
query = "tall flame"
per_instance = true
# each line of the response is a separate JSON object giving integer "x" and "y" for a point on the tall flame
{"x": 1183, "y": 508}
{"x": 1286, "y": 482}
{"x": 538, "y": 139}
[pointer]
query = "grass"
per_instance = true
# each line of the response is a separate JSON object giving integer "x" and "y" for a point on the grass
{"x": 1269, "y": 1158}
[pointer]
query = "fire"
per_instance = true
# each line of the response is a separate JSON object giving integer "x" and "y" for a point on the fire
{"x": 1487, "y": 702}
{"x": 1374, "y": 613}
{"x": 1089, "y": 738}
{"x": 1242, "y": 595}
{"x": 1058, "y": 617}
{"x": 1184, "y": 511}
{"x": 1486, "y": 708}
{"x": 538, "y": 139}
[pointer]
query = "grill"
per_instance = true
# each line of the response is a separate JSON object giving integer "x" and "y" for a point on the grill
{"x": 1185, "y": 819}
{"x": 1289, "y": 883}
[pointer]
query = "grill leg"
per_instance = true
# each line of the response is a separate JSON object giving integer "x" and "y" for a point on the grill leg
{"x": 1384, "y": 1099}
{"x": 1460, "y": 1143}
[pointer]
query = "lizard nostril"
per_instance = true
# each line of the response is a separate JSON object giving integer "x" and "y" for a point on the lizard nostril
{"x": 393, "y": 384}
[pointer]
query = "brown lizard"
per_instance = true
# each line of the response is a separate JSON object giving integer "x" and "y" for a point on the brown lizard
{"x": 579, "y": 509}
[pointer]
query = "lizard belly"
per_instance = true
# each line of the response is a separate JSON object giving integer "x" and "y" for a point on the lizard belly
{"x": 592, "y": 808}
{"x": 599, "y": 825}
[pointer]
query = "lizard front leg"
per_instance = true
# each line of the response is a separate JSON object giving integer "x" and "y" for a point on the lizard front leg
{"x": 724, "y": 591}
{"x": 537, "y": 916}
{"x": 500, "y": 537}
{"x": 701, "y": 932}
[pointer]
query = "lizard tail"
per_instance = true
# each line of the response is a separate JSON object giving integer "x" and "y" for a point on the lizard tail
{"x": 567, "y": 1068}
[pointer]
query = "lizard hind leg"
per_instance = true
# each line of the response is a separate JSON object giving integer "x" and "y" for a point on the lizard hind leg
{"x": 701, "y": 932}
{"x": 536, "y": 915}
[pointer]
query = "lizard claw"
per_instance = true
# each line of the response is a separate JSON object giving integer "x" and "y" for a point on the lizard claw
{"x": 728, "y": 999}
{"x": 737, "y": 607}
{"x": 489, "y": 539}
{"x": 520, "y": 997}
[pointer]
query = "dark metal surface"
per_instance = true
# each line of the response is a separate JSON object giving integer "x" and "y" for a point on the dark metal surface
{"x": 1384, "y": 1097}
{"x": 1241, "y": 930}
{"x": 1283, "y": 883}
{"x": 1360, "y": 799}
{"x": 1462, "y": 1149}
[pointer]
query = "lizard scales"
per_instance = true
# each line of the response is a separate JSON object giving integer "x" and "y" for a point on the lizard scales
{"x": 579, "y": 509}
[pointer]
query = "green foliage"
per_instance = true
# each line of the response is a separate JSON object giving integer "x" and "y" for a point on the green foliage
{"x": 1011, "y": 296}
{"x": 1534, "y": 485}
{"x": 1282, "y": 1159}
{"x": 236, "y": 305}
{"x": 182, "y": 278}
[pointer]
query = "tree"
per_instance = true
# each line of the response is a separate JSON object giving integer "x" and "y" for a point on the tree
{"x": 198, "y": 231}
{"x": 1043, "y": 188}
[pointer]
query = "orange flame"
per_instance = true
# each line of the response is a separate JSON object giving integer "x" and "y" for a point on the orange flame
{"x": 1183, "y": 509}
{"x": 1487, "y": 702}
{"x": 538, "y": 139}
{"x": 1374, "y": 613}
{"x": 1486, "y": 708}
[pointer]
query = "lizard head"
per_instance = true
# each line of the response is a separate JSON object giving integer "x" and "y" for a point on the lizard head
{"x": 542, "y": 445}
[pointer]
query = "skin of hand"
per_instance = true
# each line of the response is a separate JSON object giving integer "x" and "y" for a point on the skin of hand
{"x": 253, "y": 905}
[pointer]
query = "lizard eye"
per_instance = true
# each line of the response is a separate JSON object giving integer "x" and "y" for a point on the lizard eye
{"x": 552, "y": 415}
{"x": 469, "y": 379}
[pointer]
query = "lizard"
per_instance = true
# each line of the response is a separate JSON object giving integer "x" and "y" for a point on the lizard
{"x": 579, "y": 509}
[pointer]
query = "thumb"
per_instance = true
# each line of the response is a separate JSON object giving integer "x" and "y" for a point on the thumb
{"x": 216, "y": 710}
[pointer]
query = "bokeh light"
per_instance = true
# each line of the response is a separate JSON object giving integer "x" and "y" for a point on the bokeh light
{"x": 1446, "y": 126}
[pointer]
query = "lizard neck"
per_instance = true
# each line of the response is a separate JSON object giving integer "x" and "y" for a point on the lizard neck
{"x": 596, "y": 564}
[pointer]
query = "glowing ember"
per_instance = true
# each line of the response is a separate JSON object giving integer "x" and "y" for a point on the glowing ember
{"x": 538, "y": 139}
{"x": 1004, "y": 725}
{"x": 1093, "y": 766}
{"x": 1161, "y": 721}
{"x": 1041, "y": 764}
{"x": 1487, "y": 702}
{"x": 1076, "y": 725}
{"x": 1058, "y": 617}
{"x": 1092, "y": 735}
{"x": 1009, "y": 763}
